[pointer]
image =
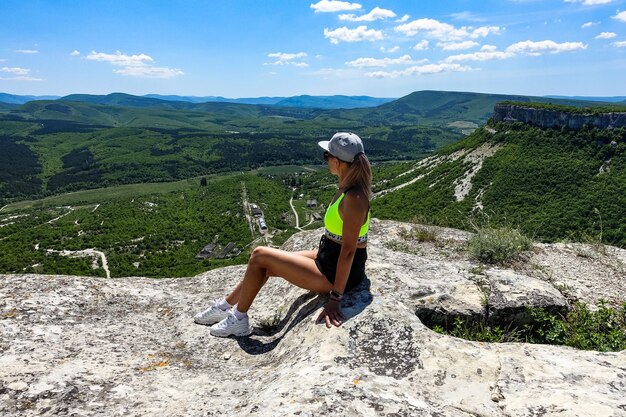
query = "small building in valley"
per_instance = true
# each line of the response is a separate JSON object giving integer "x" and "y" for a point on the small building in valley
{"x": 256, "y": 210}
{"x": 206, "y": 252}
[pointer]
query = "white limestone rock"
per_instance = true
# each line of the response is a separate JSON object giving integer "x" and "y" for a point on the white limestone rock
{"x": 510, "y": 294}
{"x": 108, "y": 347}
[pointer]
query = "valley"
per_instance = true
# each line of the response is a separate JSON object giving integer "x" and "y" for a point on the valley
{"x": 109, "y": 190}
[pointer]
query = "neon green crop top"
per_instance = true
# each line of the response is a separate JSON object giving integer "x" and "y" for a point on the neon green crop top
{"x": 334, "y": 224}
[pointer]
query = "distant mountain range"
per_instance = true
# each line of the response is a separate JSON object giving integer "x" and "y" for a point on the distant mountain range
{"x": 317, "y": 102}
{"x": 14, "y": 99}
{"x": 304, "y": 101}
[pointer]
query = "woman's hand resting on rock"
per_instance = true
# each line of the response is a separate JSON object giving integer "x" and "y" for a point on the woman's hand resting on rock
{"x": 332, "y": 314}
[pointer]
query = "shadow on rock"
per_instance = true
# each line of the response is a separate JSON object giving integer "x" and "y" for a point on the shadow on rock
{"x": 354, "y": 303}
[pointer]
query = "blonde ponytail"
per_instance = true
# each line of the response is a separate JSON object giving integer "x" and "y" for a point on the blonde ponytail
{"x": 359, "y": 175}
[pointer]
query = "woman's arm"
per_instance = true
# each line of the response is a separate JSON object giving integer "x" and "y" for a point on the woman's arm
{"x": 353, "y": 210}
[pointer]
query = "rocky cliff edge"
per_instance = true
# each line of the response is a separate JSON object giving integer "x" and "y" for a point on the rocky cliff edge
{"x": 548, "y": 118}
{"x": 111, "y": 347}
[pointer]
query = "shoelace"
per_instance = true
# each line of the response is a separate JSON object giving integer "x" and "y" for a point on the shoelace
{"x": 230, "y": 319}
{"x": 208, "y": 310}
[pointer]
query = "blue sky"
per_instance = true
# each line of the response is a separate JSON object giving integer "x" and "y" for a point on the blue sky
{"x": 252, "y": 48}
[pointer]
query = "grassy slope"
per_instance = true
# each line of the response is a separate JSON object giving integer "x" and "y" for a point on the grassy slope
{"x": 545, "y": 181}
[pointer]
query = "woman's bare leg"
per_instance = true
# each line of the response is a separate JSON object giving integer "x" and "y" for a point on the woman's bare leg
{"x": 233, "y": 297}
{"x": 296, "y": 268}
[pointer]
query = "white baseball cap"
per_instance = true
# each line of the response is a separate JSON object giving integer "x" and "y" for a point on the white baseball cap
{"x": 343, "y": 145}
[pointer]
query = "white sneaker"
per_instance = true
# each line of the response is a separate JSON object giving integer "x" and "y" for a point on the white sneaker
{"x": 211, "y": 315}
{"x": 232, "y": 326}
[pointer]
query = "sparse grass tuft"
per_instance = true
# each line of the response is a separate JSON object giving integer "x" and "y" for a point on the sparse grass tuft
{"x": 424, "y": 235}
{"x": 498, "y": 246}
{"x": 420, "y": 234}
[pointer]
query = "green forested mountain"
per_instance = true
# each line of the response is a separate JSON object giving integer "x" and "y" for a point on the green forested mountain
{"x": 84, "y": 141}
{"x": 448, "y": 106}
{"x": 554, "y": 184}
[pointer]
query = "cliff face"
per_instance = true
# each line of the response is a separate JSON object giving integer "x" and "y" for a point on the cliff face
{"x": 546, "y": 118}
{"x": 129, "y": 347}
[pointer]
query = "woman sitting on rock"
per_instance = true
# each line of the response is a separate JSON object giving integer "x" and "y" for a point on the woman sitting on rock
{"x": 337, "y": 266}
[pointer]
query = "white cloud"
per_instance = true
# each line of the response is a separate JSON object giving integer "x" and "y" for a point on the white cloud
{"x": 361, "y": 33}
{"x": 403, "y": 18}
{"x": 589, "y": 24}
{"x": 484, "y": 31}
{"x": 590, "y": 2}
{"x": 483, "y": 55}
{"x": 145, "y": 71}
{"x": 381, "y": 63}
{"x": 547, "y": 46}
{"x": 75, "y": 53}
{"x": 490, "y": 52}
{"x": 620, "y": 44}
{"x": 27, "y": 51}
{"x": 419, "y": 70}
{"x": 120, "y": 59}
{"x": 376, "y": 14}
{"x": 288, "y": 59}
{"x": 444, "y": 31}
{"x": 20, "y": 74}
{"x": 606, "y": 35}
{"x": 620, "y": 16}
{"x": 134, "y": 65}
{"x": 432, "y": 28}
{"x": 457, "y": 46}
{"x": 15, "y": 70}
{"x": 331, "y": 6}
{"x": 421, "y": 45}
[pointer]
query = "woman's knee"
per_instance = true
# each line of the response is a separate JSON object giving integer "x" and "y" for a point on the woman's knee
{"x": 259, "y": 256}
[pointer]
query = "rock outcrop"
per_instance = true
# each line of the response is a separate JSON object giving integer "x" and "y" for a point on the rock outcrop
{"x": 108, "y": 347}
{"x": 547, "y": 118}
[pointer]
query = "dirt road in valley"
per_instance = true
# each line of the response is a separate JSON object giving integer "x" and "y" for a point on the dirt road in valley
{"x": 294, "y": 212}
{"x": 86, "y": 253}
{"x": 246, "y": 208}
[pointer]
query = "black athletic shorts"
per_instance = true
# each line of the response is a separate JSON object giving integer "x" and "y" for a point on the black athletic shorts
{"x": 326, "y": 261}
